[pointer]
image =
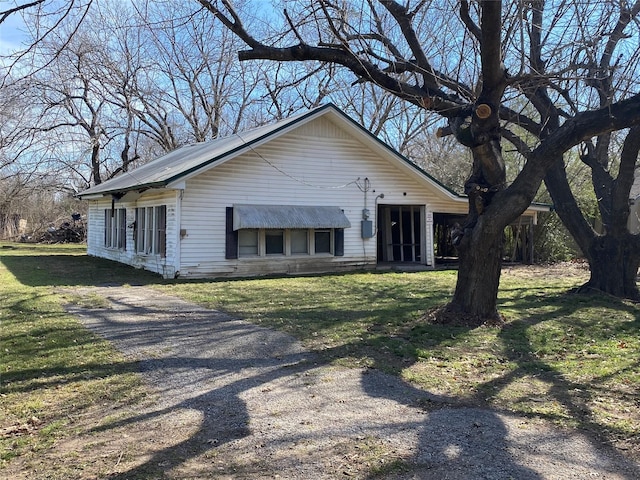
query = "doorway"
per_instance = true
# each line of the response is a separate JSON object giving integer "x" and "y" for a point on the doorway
{"x": 400, "y": 233}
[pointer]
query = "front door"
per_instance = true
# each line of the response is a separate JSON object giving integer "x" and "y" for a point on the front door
{"x": 400, "y": 233}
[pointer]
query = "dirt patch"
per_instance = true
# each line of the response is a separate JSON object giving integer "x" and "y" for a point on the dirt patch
{"x": 577, "y": 269}
{"x": 228, "y": 399}
{"x": 449, "y": 315}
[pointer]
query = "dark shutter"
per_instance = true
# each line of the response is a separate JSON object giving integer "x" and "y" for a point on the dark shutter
{"x": 338, "y": 238}
{"x": 231, "y": 237}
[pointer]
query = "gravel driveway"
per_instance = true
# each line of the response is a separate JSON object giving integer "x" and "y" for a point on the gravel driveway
{"x": 240, "y": 401}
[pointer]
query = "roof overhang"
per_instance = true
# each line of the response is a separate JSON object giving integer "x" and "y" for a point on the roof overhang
{"x": 126, "y": 194}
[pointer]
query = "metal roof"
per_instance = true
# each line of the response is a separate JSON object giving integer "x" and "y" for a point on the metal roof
{"x": 193, "y": 158}
{"x": 288, "y": 216}
{"x": 187, "y": 159}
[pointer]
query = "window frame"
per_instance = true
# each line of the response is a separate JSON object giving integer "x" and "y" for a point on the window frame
{"x": 279, "y": 233}
{"x": 330, "y": 231}
{"x": 261, "y": 234}
{"x": 307, "y": 244}
{"x": 150, "y": 233}
{"x": 241, "y": 245}
{"x": 115, "y": 228}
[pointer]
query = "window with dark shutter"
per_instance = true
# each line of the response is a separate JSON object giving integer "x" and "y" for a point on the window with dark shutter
{"x": 231, "y": 240}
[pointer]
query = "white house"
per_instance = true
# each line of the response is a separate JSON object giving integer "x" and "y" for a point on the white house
{"x": 313, "y": 193}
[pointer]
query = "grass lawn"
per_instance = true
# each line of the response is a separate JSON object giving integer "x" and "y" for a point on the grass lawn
{"x": 569, "y": 358}
{"x": 53, "y": 372}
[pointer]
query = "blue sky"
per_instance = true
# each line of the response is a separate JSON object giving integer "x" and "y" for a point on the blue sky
{"x": 11, "y": 30}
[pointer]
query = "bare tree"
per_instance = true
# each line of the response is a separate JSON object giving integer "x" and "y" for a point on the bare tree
{"x": 610, "y": 72}
{"x": 203, "y": 86}
{"x": 71, "y": 98}
{"x": 4, "y": 14}
{"x": 477, "y": 67}
{"x": 129, "y": 84}
{"x": 175, "y": 80}
{"x": 43, "y": 18}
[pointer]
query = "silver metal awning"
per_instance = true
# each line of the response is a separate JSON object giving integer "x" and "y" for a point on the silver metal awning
{"x": 288, "y": 216}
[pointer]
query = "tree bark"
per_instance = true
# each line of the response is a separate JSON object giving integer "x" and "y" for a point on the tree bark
{"x": 614, "y": 254}
{"x": 614, "y": 262}
{"x": 564, "y": 203}
{"x": 95, "y": 163}
{"x": 480, "y": 242}
{"x": 613, "y": 257}
{"x": 480, "y": 255}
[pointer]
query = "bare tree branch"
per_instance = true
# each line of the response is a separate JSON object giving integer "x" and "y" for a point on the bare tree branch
{"x": 6, "y": 13}
{"x": 469, "y": 23}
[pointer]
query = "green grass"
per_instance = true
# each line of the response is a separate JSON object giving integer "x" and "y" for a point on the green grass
{"x": 569, "y": 358}
{"x": 344, "y": 315}
{"x": 51, "y": 368}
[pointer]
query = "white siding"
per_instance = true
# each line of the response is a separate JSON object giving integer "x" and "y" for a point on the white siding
{"x": 317, "y": 164}
{"x": 155, "y": 263}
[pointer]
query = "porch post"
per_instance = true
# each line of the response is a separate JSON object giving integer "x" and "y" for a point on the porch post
{"x": 428, "y": 253}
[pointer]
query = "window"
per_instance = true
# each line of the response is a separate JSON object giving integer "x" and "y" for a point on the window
{"x": 108, "y": 228}
{"x": 322, "y": 241}
{"x": 139, "y": 231}
{"x": 115, "y": 228}
{"x": 274, "y": 242}
{"x": 151, "y": 230}
{"x": 299, "y": 242}
{"x": 284, "y": 230}
{"x": 248, "y": 242}
{"x": 261, "y": 242}
{"x": 160, "y": 231}
{"x": 148, "y": 231}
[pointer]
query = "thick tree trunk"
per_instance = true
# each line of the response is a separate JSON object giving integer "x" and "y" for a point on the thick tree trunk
{"x": 614, "y": 257}
{"x": 475, "y": 299}
{"x": 480, "y": 243}
{"x": 614, "y": 263}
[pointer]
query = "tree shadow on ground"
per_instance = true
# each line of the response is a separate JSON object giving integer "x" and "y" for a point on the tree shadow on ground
{"x": 451, "y": 444}
{"x": 454, "y": 442}
{"x": 225, "y": 358}
{"x": 221, "y": 414}
{"x": 200, "y": 362}
{"x": 577, "y": 396}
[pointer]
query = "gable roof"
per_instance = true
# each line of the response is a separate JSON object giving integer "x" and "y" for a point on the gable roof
{"x": 190, "y": 159}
